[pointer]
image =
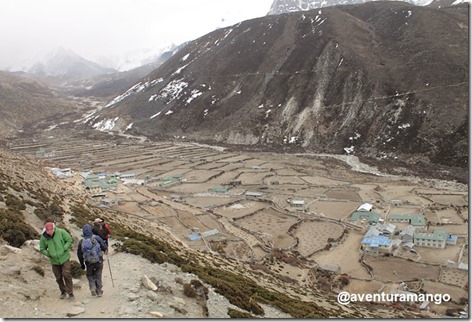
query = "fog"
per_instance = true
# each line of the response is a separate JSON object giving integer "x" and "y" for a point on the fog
{"x": 101, "y": 29}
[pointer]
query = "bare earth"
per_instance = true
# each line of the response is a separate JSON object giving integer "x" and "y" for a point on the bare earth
{"x": 252, "y": 225}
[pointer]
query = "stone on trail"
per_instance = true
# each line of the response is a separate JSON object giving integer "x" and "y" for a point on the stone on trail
{"x": 133, "y": 297}
{"x": 156, "y": 314}
{"x": 76, "y": 283}
{"x": 147, "y": 283}
{"x": 76, "y": 310}
{"x": 154, "y": 296}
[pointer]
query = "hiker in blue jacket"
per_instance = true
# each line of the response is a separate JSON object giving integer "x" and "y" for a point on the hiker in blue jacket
{"x": 90, "y": 253}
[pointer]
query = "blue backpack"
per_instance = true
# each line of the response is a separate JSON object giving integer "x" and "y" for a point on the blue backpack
{"x": 91, "y": 250}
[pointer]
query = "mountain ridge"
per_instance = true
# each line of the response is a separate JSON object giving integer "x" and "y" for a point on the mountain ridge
{"x": 286, "y": 6}
{"x": 26, "y": 101}
{"x": 350, "y": 79}
{"x": 65, "y": 64}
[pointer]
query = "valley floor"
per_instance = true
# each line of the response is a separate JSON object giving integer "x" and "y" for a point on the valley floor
{"x": 245, "y": 205}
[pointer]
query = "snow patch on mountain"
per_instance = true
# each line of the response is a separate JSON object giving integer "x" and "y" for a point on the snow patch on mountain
{"x": 106, "y": 124}
{"x": 137, "y": 88}
{"x": 171, "y": 91}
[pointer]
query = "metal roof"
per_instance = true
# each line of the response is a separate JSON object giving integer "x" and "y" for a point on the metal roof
{"x": 436, "y": 235}
{"x": 370, "y": 216}
{"x": 376, "y": 241}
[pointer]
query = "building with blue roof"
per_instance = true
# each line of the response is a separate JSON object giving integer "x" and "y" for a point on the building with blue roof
{"x": 451, "y": 240}
{"x": 376, "y": 244}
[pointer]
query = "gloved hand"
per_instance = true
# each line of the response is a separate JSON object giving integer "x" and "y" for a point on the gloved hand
{"x": 82, "y": 266}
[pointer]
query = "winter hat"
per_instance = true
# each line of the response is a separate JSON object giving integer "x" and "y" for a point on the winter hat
{"x": 99, "y": 220}
{"x": 49, "y": 226}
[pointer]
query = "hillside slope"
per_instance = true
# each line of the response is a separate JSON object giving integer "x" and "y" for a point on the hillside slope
{"x": 24, "y": 101}
{"x": 222, "y": 287}
{"x": 386, "y": 80}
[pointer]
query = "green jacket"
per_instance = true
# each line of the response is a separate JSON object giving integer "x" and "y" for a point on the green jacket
{"x": 56, "y": 247}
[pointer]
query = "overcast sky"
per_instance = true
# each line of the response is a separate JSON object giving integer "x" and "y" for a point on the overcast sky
{"x": 106, "y": 28}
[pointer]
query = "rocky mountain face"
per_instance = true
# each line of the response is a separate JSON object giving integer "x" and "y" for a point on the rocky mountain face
{"x": 386, "y": 80}
{"x": 447, "y": 3}
{"x": 24, "y": 101}
{"x": 284, "y": 6}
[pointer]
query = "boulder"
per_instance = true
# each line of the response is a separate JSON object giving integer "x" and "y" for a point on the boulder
{"x": 34, "y": 243}
{"x": 7, "y": 249}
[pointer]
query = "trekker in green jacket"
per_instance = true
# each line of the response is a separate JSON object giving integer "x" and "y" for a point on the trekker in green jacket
{"x": 55, "y": 243}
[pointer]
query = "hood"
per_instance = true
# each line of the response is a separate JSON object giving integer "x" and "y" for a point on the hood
{"x": 87, "y": 231}
{"x": 43, "y": 232}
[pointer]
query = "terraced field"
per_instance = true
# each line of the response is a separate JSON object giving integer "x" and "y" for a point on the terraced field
{"x": 239, "y": 203}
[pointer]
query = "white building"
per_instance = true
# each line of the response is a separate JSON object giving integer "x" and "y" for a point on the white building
{"x": 365, "y": 207}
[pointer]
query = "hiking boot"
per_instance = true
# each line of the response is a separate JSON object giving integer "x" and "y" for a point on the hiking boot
{"x": 94, "y": 293}
{"x": 71, "y": 297}
{"x": 63, "y": 296}
{"x": 99, "y": 293}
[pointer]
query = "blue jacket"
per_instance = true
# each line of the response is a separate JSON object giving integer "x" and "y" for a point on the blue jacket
{"x": 87, "y": 233}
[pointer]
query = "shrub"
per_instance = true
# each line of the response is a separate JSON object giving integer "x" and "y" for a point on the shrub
{"x": 201, "y": 289}
{"x": 235, "y": 314}
{"x": 155, "y": 251}
{"x": 38, "y": 269}
{"x": 14, "y": 203}
{"x": 189, "y": 291}
{"x": 452, "y": 312}
{"x": 76, "y": 270}
{"x": 14, "y": 229}
{"x": 343, "y": 280}
{"x": 463, "y": 300}
{"x": 236, "y": 287}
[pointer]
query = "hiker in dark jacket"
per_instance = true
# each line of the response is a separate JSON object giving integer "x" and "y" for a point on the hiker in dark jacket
{"x": 89, "y": 253}
{"x": 101, "y": 228}
{"x": 55, "y": 244}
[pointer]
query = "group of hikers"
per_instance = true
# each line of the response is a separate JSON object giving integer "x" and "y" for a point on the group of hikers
{"x": 55, "y": 243}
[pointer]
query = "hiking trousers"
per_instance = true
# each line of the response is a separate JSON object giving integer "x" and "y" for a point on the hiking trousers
{"x": 63, "y": 276}
{"x": 94, "y": 276}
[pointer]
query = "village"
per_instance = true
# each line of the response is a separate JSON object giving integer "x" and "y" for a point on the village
{"x": 386, "y": 234}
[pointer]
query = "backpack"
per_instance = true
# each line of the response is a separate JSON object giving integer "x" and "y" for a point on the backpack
{"x": 91, "y": 250}
{"x": 102, "y": 231}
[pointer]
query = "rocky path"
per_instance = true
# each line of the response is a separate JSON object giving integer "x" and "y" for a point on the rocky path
{"x": 27, "y": 294}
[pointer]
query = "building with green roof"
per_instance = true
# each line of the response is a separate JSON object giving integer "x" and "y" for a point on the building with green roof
{"x": 436, "y": 239}
{"x": 96, "y": 186}
{"x": 370, "y": 217}
{"x": 171, "y": 180}
{"x": 413, "y": 219}
{"x": 219, "y": 189}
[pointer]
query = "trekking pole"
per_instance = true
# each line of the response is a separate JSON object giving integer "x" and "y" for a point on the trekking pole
{"x": 111, "y": 275}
